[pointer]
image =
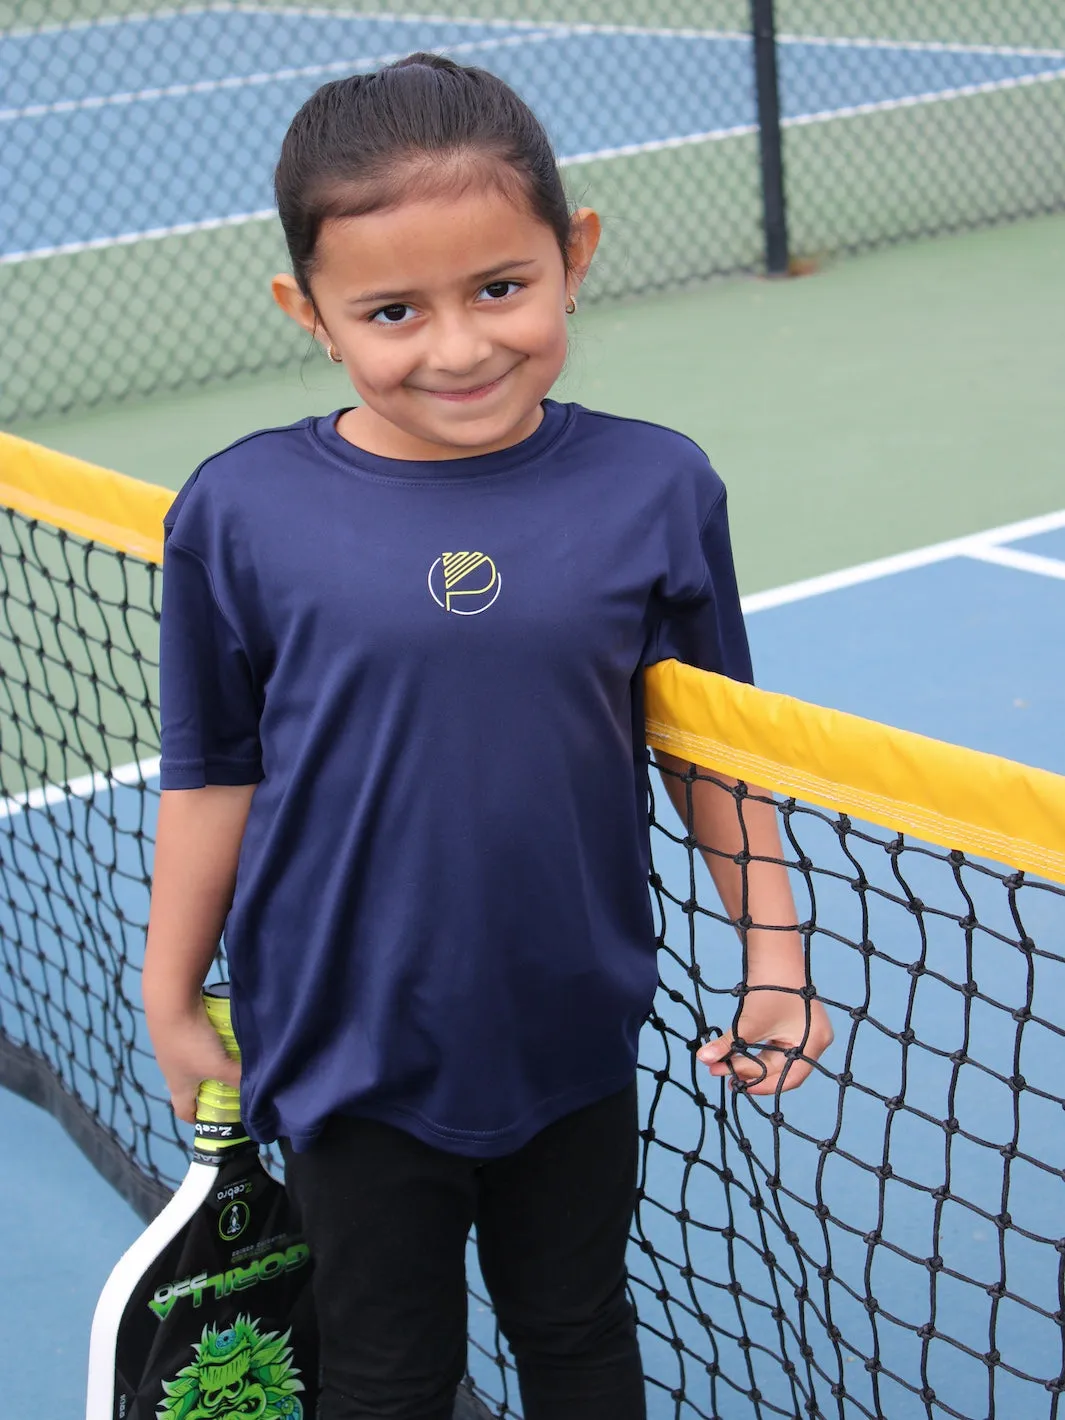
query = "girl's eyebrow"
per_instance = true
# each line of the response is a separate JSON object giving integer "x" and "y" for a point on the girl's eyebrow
{"x": 369, "y": 297}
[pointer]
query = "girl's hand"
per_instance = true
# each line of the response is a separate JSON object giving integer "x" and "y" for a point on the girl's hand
{"x": 779, "y": 1021}
{"x": 189, "y": 1051}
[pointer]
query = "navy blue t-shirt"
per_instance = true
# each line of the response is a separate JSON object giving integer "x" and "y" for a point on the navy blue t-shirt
{"x": 432, "y": 672}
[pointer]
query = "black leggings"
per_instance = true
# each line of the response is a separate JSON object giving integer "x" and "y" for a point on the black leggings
{"x": 387, "y": 1217}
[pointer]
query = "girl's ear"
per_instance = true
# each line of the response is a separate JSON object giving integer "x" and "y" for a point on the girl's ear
{"x": 585, "y": 230}
{"x": 294, "y": 303}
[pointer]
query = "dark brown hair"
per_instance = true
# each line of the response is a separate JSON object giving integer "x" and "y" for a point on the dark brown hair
{"x": 421, "y": 125}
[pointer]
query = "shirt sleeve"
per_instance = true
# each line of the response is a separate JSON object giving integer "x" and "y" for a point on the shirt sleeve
{"x": 700, "y": 621}
{"x": 210, "y": 708}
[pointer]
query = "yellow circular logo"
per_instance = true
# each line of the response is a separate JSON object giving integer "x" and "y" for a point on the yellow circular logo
{"x": 466, "y": 583}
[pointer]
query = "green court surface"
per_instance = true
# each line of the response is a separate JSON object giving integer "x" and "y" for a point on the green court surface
{"x": 892, "y": 400}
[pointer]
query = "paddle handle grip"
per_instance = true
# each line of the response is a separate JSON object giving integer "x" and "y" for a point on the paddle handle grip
{"x": 218, "y": 1104}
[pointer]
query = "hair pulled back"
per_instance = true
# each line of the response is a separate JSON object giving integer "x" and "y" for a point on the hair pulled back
{"x": 422, "y": 125}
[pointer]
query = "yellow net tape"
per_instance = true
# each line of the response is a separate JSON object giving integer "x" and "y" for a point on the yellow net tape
{"x": 94, "y": 503}
{"x": 957, "y": 798}
{"x": 944, "y": 794}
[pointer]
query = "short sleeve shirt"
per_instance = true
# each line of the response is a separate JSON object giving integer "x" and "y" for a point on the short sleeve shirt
{"x": 432, "y": 673}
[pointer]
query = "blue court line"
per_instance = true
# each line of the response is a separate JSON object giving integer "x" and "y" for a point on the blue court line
{"x": 184, "y": 117}
{"x": 948, "y": 647}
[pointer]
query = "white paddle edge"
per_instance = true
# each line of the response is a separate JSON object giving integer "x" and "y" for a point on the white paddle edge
{"x": 127, "y": 1272}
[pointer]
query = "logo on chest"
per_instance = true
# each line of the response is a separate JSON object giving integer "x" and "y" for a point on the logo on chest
{"x": 466, "y": 583}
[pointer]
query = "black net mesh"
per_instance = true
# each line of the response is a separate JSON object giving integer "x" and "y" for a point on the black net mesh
{"x": 139, "y": 139}
{"x": 887, "y": 1241}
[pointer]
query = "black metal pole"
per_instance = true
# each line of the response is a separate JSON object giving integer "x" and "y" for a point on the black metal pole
{"x": 763, "y": 31}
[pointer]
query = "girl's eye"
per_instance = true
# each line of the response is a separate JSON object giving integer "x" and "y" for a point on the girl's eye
{"x": 500, "y": 290}
{"x": 392, "y": 315}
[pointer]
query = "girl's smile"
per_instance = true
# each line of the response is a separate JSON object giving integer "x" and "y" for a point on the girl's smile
{"x": 475, "y": 392}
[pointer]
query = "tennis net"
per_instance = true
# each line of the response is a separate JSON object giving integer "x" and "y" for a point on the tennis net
{"x": 886, "y": 1242}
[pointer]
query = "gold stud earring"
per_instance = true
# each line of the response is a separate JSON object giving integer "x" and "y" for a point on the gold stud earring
{"x": 571, "y": 306}
{"x": 336, "y": 359}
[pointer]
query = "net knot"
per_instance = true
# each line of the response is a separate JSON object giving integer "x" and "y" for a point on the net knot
{"x": 992, "y": 1357}
{"x": 935, "y": 1264}
{"x": 1018, "y": 1083}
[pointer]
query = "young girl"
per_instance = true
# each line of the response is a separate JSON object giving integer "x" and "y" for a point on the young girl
{"x": 404, "y": 763}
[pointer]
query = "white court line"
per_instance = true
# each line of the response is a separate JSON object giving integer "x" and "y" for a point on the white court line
{"x": 324, "y": 13}
{"x": 923, "y": 46}
{"x": 150, "y": 234}
{"x": 345, "y": 66}
{"x": 985, "y": 546}
{"x": 1021, "y": 561}
{"x": 973, "y": 545}
{"x": 128, "y": 775}
{"x": 247, "y": 81}
{"x": 714, "y": 135}
{"x": 287, "y": 11}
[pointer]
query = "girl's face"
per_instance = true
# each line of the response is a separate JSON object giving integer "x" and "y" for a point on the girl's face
{"x": 450, "y": 316}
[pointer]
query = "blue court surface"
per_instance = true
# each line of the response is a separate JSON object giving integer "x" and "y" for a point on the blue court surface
{"x": 961, "y": 642}
{"x": 147, "y": 124}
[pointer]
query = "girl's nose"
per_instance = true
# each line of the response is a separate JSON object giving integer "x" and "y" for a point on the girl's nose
{"x": 458, "y": 346}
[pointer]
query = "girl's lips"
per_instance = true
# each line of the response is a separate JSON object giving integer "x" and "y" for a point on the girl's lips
{"x": 462, "y": 396}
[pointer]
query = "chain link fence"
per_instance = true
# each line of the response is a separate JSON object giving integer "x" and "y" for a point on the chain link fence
{"x": 137, "y": 141}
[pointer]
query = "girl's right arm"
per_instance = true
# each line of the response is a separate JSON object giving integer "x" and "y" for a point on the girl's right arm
{"x": 197, "y": 847}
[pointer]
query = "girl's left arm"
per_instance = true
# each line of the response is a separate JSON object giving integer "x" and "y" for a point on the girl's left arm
{"x": 774, "y": 1015}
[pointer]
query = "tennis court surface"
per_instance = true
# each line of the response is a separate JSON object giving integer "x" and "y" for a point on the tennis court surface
{"x": 184, "y": 93}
